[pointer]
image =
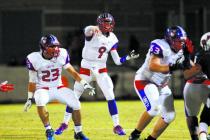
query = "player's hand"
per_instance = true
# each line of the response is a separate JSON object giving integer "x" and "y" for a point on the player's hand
{"x": 132, "y": 55}
{"x": 27, "y": 105}
{"x": 177, "y": 58}
{"x": 4, "y": 87}
{"x": 88, "y": 88}
{"x": 208, "y": 102}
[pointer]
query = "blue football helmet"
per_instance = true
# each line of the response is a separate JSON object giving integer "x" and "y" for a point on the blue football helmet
{"x": 50, "y": 45}
{"x": 176, "y": 37}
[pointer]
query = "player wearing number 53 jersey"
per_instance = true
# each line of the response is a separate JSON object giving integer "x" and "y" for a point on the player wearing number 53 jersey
{"x": 151, "y": 81}
{"x": 99, "y": 42}
{"x": 45, "y": 84}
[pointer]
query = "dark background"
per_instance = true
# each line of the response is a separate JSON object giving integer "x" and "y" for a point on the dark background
{"x": 23, "y": 22}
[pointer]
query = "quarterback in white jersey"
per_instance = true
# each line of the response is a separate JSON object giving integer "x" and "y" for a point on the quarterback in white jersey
{"x": 45, "y": 83}
{"x": 99, "y": 41}
{"x": 151, "y": 81}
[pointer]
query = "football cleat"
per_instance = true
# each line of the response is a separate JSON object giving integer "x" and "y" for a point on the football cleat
{"x": 119, "y": 130}
{"x": 80, "y": 136}
{"x": 134, "y": 137}
{"x": 60, "y": 130}
{"x": 49, "y": 134}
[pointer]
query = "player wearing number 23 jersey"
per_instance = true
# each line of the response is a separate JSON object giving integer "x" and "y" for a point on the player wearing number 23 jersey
{"x": 45, "y": 83}
{"x": 99, "y": 42}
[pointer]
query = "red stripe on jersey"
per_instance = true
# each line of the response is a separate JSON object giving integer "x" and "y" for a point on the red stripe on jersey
{"x": 113, "y": 49}
{"x": 140, "y": 84}
{"x": 84, "y": 71}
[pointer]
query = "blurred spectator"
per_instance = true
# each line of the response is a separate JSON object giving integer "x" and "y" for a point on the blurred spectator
{"x": 134, "y": 43}
{"x": 74, "y": 45}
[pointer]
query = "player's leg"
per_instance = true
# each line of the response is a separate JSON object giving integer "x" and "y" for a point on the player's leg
{"x": 204, "y": 123}
{"x": 68, "y": 97}
{"x": 167, "y": 113}
{"x": 42, "y": 97}
{"x": 106, "y": 85}
{"x": 78, "y": 89}
{"x": 192, "y": 97}
{"x": 149, "y": 95}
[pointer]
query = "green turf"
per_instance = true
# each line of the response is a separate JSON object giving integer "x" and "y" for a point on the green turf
{"x": 97, "y": 124}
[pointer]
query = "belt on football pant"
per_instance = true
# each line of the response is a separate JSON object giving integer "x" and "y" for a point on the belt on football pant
{"x": 47, "y": 88}
{"x": 86, "y": 71}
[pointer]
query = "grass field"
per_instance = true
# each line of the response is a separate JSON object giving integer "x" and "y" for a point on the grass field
{"x": 97, "y": 124}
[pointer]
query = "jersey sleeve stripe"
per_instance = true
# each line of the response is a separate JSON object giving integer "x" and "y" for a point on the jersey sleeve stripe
{"x": 114, "y": 47}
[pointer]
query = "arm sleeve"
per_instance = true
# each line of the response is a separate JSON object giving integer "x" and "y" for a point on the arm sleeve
{"x": 115, "y": 56}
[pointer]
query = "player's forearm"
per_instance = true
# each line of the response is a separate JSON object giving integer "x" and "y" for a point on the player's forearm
{"x": 74, "y": 73}
{"x": 159, "y": 68}
{"x": 116, "y": 58}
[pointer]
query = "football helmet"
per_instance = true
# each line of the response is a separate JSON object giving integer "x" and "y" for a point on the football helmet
{"x": 176, "y": 37}
{"x": 49, "y": 45}
{"x": 106, "y": 22}
{"x": 205, "y": 41}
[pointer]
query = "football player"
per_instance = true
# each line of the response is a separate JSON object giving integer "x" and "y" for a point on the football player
{"x": 99, "y": 42}
{"x": 45, "y": 68}
{"x": 151, "y": 81}
{"x": 4, "y": 87}
{"x": 196, "y": 91}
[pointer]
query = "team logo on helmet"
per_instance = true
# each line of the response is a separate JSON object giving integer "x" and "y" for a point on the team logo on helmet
{"x": 205, "y": 41}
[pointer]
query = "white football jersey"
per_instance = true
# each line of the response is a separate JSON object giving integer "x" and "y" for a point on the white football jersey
{"x": 48, "y": 71}
{"x": 160, "y": 48}
{"x": 98, "y": 47}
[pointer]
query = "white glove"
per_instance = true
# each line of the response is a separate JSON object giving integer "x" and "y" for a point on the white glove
{"x": 132, "y": 55}
{"x": 28, "y": 103}
{"x": 208, "y": 102}
{"x": 177, "y": 58}
{"x": 88, "y": 88}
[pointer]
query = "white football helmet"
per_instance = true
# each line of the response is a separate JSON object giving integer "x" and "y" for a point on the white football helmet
{"x": 205, "y": 41}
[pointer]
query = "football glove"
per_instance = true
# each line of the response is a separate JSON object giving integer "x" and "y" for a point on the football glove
{"x": 27, "y": 105}
{"x": 4, "y": 87}
{"x": 88, "y": 88}
{"x": 132, "y": 55}
{"x": 208, "y": 102}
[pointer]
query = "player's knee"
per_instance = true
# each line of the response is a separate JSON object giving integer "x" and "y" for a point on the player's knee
{"x": 169, "y": 117}
{"x": 76, "y": 106}
{"x": 154, "y": 111}
{"x": 109, "y": 95}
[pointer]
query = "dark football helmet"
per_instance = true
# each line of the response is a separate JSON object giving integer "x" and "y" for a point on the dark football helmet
{"x": 49, "y": 45}
{"x": 176, "y": 37}
{"x": 205, "y": 41}
{"x": 106, "y": 22}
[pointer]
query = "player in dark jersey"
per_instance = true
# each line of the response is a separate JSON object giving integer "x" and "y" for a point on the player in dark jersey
{"x": 196, "y": 91}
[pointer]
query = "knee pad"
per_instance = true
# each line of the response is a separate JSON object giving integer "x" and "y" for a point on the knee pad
{"x": 154, "y": 111}
{"x": 169, "y": 117}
